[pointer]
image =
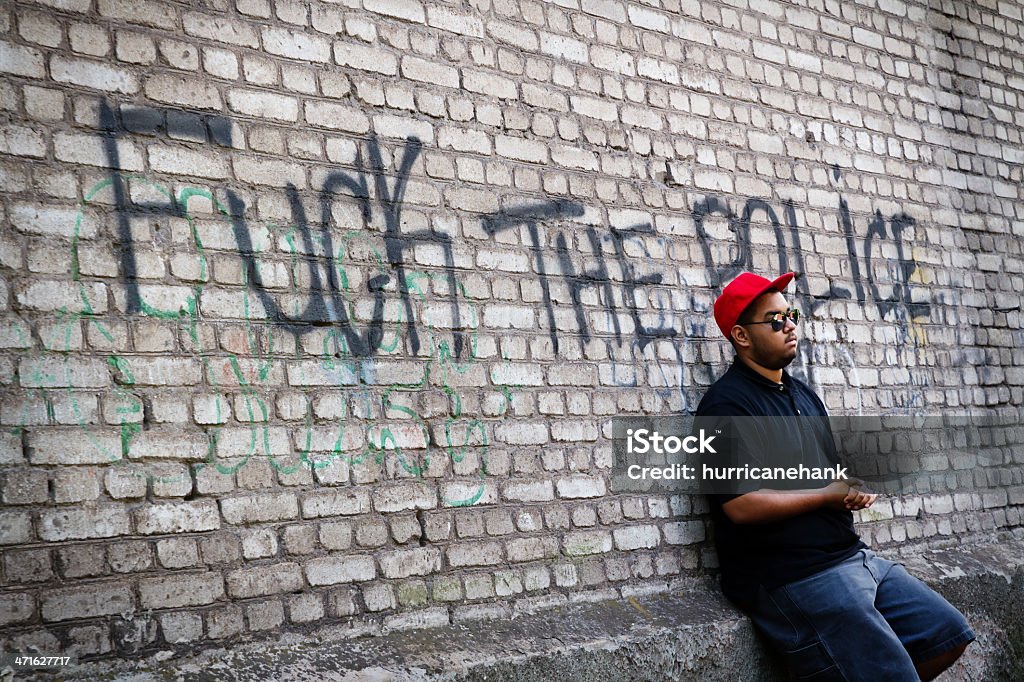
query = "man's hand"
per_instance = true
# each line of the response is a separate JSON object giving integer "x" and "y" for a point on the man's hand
{"x": 848, "y": 494}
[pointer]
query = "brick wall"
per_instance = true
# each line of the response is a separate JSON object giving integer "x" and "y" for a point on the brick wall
{"x": 318, "y": 312}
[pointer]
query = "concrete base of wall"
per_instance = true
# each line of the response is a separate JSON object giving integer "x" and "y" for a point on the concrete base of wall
{"x": 687, "y": 635}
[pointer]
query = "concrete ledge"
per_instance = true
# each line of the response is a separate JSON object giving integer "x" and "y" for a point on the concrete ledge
{"x": 688, "y": 635}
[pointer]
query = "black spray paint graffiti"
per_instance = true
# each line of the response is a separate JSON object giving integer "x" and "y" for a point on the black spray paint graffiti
{"x": 369, "y": 186}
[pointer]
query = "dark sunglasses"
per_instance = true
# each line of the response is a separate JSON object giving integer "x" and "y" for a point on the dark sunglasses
{"x": 778, "y": 321}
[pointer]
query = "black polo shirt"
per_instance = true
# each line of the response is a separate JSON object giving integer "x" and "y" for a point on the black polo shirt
{"x": 773, "y": 554}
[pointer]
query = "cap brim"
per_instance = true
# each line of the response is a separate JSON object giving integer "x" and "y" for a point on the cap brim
{"x": 782, "y": 282}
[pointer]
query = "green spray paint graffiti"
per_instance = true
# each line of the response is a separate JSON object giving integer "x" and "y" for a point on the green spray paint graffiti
{"x": 436, "y": 367}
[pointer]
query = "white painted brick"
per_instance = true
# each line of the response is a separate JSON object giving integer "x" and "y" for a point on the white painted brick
{"x": 520, "y": 149}
{"x": 53, "y": 446}
{"x": 86, "y": 602}
{"x": 426, "y": 71}
{"x": 263, "y": 104}
{"x": 91, "y": 74}
{"x": 512, "y": 34}
{"x": 90, "y": 150}
{"x": 21, "y": 141}
{"x": 328, "y": 503}
{"x": 296, "y": 45}
{"x": 337, "y": 570}
{"x": 401, "y": 128}
{"x": 649, "y": 19}
{"x": 522, "y": 433}
{"x": 58, "y": 221}
{"x": 447, "y": 20}
{"x": 221, "y": 29}
{"x": 409, "y": 10}
{"x": 177, "y": 517}
{"x": 463, "y": 140}
{"x": 409, "y": 562}
{"x": 183, "y": 90}
{"x": 580, "y": 486}
{"x": 270, "y": 172}
{"x": 608, "y": 9}
{"x": 563, "y": 48}
{"x": 636, "y": 537}
{"x": 336, "y": 117}
{"x": 55, "y": 371}
{"x": 18, "y": 60}
{"x": 366, "y": 58}
{"x": 193, "y": 163}
{"x": 82, "y": 523}
{"x": 684, "y": 532}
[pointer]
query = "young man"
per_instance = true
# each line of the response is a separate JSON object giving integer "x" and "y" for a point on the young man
{"x": 792, "y": 559}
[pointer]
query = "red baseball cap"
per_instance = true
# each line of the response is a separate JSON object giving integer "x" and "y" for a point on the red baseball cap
{"x": 740, "y": 293}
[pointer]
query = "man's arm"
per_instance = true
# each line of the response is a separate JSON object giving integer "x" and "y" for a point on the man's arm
{"x": 766, "y": 506}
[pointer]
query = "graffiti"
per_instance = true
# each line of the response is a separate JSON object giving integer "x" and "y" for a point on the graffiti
{"x": 349, "y": 293}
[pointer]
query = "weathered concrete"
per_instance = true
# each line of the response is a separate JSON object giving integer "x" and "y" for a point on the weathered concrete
{"x": 687, "y": 635}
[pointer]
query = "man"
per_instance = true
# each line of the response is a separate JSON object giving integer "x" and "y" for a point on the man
{"x": 792, "y": 559}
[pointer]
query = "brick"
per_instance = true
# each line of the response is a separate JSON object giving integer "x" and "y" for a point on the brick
{"x": 169, "y": 443}
{"x": 261, "y": 581}
{"x": 96, "y": 75}
{"x": 130, "y": 557}
{"x": 186, "y": 91}
{"x": 50, "y": 220}
{"x": 193, "y": 163}
{"x": 425, "y": 71}
{"x": 18, "y": 60}
{"x": 474, "y": 554}
{"x": 582, "y": 543}
{"x": 25, "y": 486}
{"x": 401, "y": 128}
{"x": 335, "y": 570}
{"x": 532, "y": 549}
{"x": 259, "y": 542}
{"x": 28, "y": 566}
{"x": 365, "y": 58}
{"x": 528, "y": 491}
{"x": 76, "y": 485}
{"x": 90, "y": 150}
{"x": 409, "y": 562}
{"x": 181, "y": 627}
{"x": 296, "y": 45}
{"x": 166, "y": 371}
{"x": 402, "y": 497}
{"x": 447, "y": 20}
{"x": 221, "y": 29}
{"x": 409, "y": 10}
{"x": 89, "y": 447}
{"x": 563, "y": 48}
{"x": 336, "y": 502}
{"x": 522, "y": 433}
{"x": 580, "y": 486}
{"x": 177, "y": 517}
{"x": 21, "y": 141}
{"x": 260, "y": 508}
{"x": 513, "y": 34}
{"x": 636, "y": 537}
{"x": 16, "y": 607}
{"x": 15, "y": 528}
{"x": 180, "y": 590}
{"x": 147, "y": 13}
{"x": 86, "y": 601}
{"x": 262, "y": 171}
{"x": 684, "y": 532}
{"x": 520, "y": 149}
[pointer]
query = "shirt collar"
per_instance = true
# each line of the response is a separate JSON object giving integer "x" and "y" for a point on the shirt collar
{"x": 748, "y": 372}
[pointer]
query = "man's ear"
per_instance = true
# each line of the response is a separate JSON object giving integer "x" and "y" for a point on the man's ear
{"x": 740, "y": 338}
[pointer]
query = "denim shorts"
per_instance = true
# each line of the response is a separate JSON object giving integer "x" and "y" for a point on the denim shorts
{"x": 864, "y": 619}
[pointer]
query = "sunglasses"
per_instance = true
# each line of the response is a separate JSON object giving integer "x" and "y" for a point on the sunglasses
{"x": 778, "y": 321}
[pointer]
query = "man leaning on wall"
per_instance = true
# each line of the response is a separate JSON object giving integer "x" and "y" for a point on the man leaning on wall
{"x": 792, "y": 560}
